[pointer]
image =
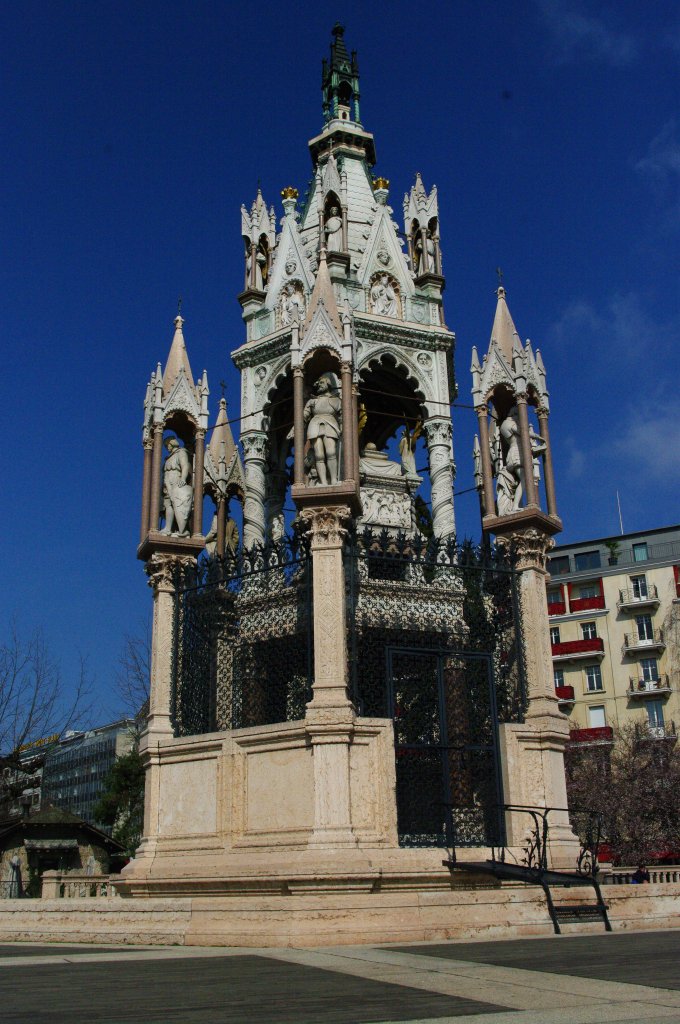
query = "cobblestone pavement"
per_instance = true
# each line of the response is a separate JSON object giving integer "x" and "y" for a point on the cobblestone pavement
{"x": 586, "y": 979}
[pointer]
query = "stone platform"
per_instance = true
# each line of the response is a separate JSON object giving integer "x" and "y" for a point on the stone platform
{"x": 328, "y": 919}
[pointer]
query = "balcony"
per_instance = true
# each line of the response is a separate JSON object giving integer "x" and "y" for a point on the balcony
{"x": 586, "y": 737}
{"x": 573, "y": 650}
{"x": 633, "y": 643}
{"x": 557, "y": 608}
{"x": 565, "y": 694}
{"x": 631, "y": 599}
{"x": 586, "y": 604}
{"x": 660, "y": 687}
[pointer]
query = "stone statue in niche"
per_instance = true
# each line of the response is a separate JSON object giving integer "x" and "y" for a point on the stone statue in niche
{"x": 231, "y": 537}
{"x": 278, "y": 529}
{"x": 322, "y": 416}
{"x": 407, "y": 447}
{"x": 424, "y": 258}
{"x": 507, "y": 459}
{"x": 292, "y": 304}
{"x": 177, "y": 490}
{"x": 333, "y": 230}
{"x": 538, "y": 446}
{"x": 383, "y": 297}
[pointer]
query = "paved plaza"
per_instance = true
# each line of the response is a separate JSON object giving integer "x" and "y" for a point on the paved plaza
{"x": 584, "y": 979}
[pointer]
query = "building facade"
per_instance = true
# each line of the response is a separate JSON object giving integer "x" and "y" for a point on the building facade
{"x": 74, "y": 770}
{"x": 614, "y": 611}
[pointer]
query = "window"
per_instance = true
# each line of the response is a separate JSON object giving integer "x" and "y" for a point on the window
{"x": 554, "y": 597}
{"x": 596, "y": 718}
{"x": 558, "y": 566}
{"x": 587, "y": 560}
{"x": 558, "y": 674}
{"x": 589, "y": 630}
{"x": 589, "y": 590}
{"x": 554, "y": 634}
{"x": 639, "y": 587}
{"x": 640, "y": 553}
{"x": 593, "y": 678}
{"x": 644, "y": 627}
{"x": 655, "y": 714}
{"x": 649, "y": 669}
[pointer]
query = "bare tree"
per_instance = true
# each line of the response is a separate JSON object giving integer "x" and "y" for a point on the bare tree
{"x": 635, "y": 786}
{"x": 33, "y": 702}
{"x": 133, "y": 677}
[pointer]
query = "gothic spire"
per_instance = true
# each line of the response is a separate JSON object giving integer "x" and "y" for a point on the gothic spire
{"x": 340, "y": 81}
{"x": 323, "y": 295}
{"x": 177, "y": 359}
{"x": 504, "y": 332}
{"x": 222, "y": 440}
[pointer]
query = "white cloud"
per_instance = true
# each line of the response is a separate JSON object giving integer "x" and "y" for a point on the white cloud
{"x": 622, "y": 325}
{"x": 652, "y": 442}
{"x": 660, "y": 167}
{"x": 575, "y": 459}
{"x": 579, "y": 36}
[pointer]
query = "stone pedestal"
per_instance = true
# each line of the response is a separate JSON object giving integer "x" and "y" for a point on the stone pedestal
{"x": 532, "y": 752}
{"x": 330, "y": 715}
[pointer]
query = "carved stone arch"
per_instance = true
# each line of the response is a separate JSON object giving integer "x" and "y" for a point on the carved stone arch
{"x": 392, "y": 394}
{"x": 384, "y": 295}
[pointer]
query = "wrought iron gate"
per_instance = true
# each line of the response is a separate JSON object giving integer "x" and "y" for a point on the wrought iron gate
{"x": 446, "y": 738}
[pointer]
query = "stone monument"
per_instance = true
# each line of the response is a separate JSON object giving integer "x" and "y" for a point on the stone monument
{"x": 341, "y": 691}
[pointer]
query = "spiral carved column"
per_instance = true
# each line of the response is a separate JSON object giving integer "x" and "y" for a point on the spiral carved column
{"x": 255, "y": 462}
{"x": 438, "y": 432}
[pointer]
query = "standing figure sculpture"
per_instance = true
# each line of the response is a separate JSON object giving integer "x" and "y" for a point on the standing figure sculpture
{"x": 333, "y": 230}
{"x": 510, "y": 476}
{"x": 407, "y": 447}
{"x": 177, "y": 490}
{"x": 322, "y": 416}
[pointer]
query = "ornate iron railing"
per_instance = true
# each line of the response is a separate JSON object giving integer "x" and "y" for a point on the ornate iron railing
{"x": 435, "y": 643}
{"x": 243, "y": 642}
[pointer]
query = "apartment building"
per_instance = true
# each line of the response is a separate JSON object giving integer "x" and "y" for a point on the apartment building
{"x": 75, "y": 769}
{"x": 614, "y": 609}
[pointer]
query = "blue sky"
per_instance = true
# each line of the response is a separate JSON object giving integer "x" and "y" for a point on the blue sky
{"x": 134, "y": 131}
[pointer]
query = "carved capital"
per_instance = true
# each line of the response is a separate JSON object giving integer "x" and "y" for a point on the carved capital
{"x": 161, "y": 570}
{"x": 254, "y": 446}
{"x": 438, "y": 432}
{"x": 529, "y": 548}
{"x": 325, "y": 525}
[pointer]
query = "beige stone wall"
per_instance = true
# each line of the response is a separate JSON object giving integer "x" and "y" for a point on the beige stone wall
{"x": 343, "y": 917}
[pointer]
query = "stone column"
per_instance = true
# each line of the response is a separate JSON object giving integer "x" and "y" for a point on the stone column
{"x": 485, "y": 451}
{"x": 438, "y": 433}
{"x": 146, "y": 489}
{"x": 199, "y": 456}
{"x": 348, "y": 424}
{"x": 330, "y": 715}
{"x": 345, "y": 231}
{"x": 533, "y": 751}
{"x": 253, "y": 265}
{"x": 255, "y": 462}
{"x": 525, "y": 450}
{"x": 355, "y": 435}
{"x": 160, "y": 569}
{"x": 298, "y": 426}
{"x": 156, "y": 464}
{"x": 544, "y": 431}
{"x": 221, "y": 525}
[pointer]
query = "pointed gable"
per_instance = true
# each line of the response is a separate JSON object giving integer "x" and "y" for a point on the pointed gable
{"x": 322, "y": 327}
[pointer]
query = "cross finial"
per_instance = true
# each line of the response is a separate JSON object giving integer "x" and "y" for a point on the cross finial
{"x": 223, "y": 385}
{"x": 499, "y": 273}
{"x": 179, "y": 306}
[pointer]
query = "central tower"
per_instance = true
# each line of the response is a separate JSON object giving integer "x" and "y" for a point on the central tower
{"x": 347, "y": 361}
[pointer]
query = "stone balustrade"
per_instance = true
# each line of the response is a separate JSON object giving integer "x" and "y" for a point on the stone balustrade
{"x": 69, "y": 885}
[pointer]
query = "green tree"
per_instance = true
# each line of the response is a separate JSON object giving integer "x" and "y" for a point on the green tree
{"x": 121, "y": 805}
